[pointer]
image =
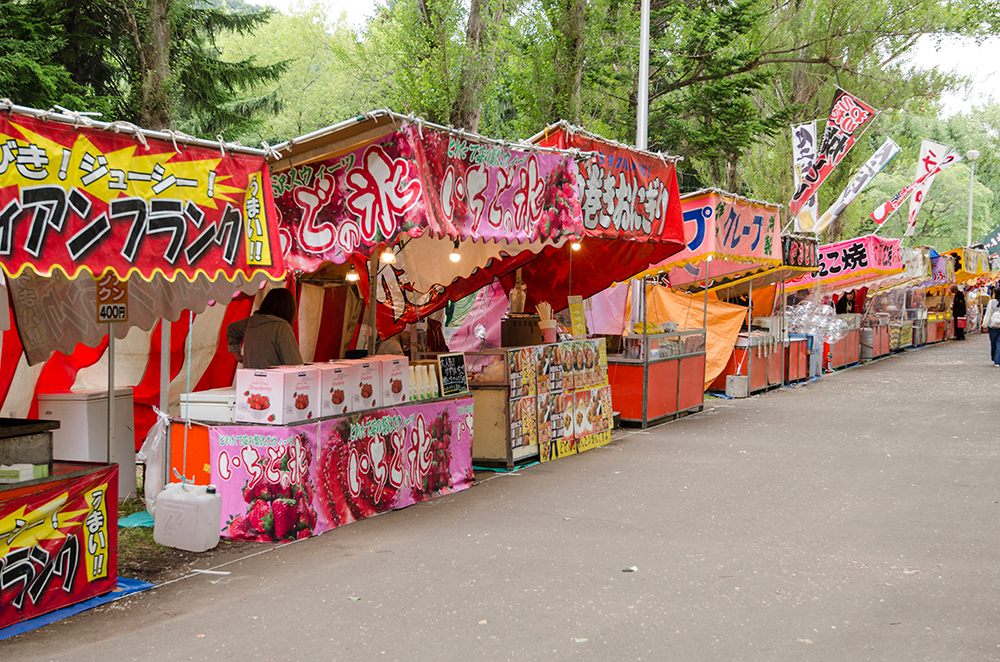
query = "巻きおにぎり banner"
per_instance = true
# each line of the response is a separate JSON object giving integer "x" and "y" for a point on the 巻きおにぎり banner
{"x": 85, "y": 199}
{"x": 59, "y": 545}
{"x": 423, "y": 181}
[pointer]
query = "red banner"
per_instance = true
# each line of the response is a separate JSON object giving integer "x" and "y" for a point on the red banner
{"x": 58, "y": 545}
{"x": 422, "y": 181}
{"x": 624, "y": 193}
{"x": 848, "y": 115}
{"x": 80, "y": 198}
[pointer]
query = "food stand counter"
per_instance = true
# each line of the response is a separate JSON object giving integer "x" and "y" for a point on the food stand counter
{"x": 658, "y": 376}
{"x": 876, "y": 337}
{"x": 757, "y": 355}
{"x": 847, "y": 350}
{"x": 796, "y": 358}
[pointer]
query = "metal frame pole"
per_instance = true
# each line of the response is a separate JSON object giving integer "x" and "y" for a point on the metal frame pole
{"x": 642, "y": 110}
{"x": 111, "y": 396}
{"x": 645, "y": 355}
{"x": 372, "y": 284}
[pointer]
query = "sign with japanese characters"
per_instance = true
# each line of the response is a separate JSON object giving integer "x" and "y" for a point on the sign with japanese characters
{"x": 886, "y": 209}
{"x": 852, "y": 261}
{"x": 112, "y": 299}
{"x": 79, "y": 198}
{"x": 624, "y": 193}
{"x": 803, "y": 156}
{"x": 863, "y": 178}
{"x": 992, "y": 242}
{"x": 930, "y": 154}
{"x": 848, "y": 116}
{"x": 58, "y": 545}
{"x": 285, "y": 483}
{"x": 417, "y": 181}
{"x": 724, "y": 235}
{"x": 800, "y": 252}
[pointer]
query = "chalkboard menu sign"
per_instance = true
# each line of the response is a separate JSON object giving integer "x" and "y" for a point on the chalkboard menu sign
{"x": 453, "y": 379}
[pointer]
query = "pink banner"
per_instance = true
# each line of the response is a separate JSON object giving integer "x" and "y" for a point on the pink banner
{"x": 417, "y": 181}
{"x": 285, "y": 483}
{"x": 853, "y": 261}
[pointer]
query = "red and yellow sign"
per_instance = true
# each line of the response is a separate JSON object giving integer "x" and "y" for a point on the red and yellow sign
{"x": 57, "y": 545}
{"x": 80, "y": 198}
{"x": 112, "y": 299}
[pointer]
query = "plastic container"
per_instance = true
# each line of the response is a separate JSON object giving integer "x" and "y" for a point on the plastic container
{"x": 549, "y": 331}
{"x": 188, "y": 517}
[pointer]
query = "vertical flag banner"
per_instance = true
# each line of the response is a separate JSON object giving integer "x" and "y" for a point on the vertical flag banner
{"x": 803, "y": 156}
{"x": 886, "y": 209}
{"x": 930, "y": 154}
{"x": 848, "y": 115}
{"x": 862, "y": 179}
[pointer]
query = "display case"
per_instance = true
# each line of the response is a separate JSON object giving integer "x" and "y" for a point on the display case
{"x": 658, "y": 376}
{"x": 505, "y": 403}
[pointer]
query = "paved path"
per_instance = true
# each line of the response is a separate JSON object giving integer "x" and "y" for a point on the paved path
{"x": 854, "y": 518}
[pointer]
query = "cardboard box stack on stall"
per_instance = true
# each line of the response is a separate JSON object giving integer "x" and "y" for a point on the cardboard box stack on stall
{"x": 338, "y": 388}
{"x": 395, "y": 381}
{"x": 278, "y": 396}
{"x": 368, "y": 393}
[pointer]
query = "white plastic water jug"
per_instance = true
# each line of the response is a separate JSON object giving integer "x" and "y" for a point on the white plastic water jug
{"x": 188, "y": 517}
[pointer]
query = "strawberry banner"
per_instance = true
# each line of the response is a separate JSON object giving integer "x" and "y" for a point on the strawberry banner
{"x": 284, "y": 483}
{"x": 58, "y": 545}
{"x": 848, "y": 115}
{"x": 423, "y": 181}
{"x": 78, "y": 199}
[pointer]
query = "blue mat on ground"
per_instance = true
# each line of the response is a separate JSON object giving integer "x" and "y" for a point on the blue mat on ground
{"x": 125, "y": 587}
{"x": 135, "y": 520}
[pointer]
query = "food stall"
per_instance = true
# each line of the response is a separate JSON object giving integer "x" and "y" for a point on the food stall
{"x": 849, "y": 265}
{"x": 104, "y": 229}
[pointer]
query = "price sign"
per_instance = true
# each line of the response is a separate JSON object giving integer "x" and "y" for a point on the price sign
{"x": 112, "y": 299}
{"x": 453, "y": 378}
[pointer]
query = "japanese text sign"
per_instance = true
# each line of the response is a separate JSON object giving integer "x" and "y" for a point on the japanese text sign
{"x": 624, "y": 193}
{"x": 75, "y": 198}
{"x": 799, "y": 252}
{"x": 112, "y": 299}
{"x": 874, "y": 165}
{"x": 848, "y": 115}
{"x": 930, "y": 154}
{"x": 58, "y": 545}
{"x": 803, "y": 156}
{"x": 419, "y": 181}
{"x": 285, "y": 483}
{"x": 854, "y": 260}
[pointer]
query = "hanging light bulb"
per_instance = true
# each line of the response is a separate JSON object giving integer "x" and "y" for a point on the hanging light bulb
{"x": 455, "y": 257}
{"x": 352, "y": 275}
{"x": 575, "y": 245}
{"x": 388, "y": 256}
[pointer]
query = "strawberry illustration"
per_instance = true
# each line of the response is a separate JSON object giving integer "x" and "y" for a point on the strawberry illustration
{"x": 304, "y": 533}
{"x": 260, "y": 516}
{"x": 239, "y": 529}
{"x": 284, "y": 517}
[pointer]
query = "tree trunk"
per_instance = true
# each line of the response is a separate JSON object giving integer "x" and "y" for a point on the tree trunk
{"x": 156, "y": 75}
{"x": 468, "y": 107}
{"x": 569, "y": 59}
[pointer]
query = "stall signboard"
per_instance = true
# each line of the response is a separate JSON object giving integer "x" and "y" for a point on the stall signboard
{"x": 799, "y": 252}
{"x": 453, "y": 378}
{"x": 853, "y": 262}
{"x": 112, "y": 299}
{"x": 285, "y": 483}
{"x": 724, "y": 235}
{"x": 58, "y": 545}
{"x": 625, "y": 193}
{"x": 992, "y": 242}
{"x": 578, "y": 417}
{"x": 419, "y": 181}
{"x": 79, "y": 198}
{"x": 970, "y": 263}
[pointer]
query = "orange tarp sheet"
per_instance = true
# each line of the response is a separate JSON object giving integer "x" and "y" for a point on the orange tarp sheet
{"x": 724, "y": 321}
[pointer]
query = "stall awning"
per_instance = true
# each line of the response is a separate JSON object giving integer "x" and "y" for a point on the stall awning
{"x": 726, "y": 236}
{"x": 971, "y": 263}
{"x": 185, "y": 221}
{"x": 916, "y": 269}
{"x": 854, "y": 263}
{"x": 386, "y": 177}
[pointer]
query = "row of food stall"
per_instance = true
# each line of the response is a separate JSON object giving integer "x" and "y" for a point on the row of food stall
{"x": 377, "y": 224}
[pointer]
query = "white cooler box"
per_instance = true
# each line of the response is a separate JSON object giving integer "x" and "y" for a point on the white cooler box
{"x": 214, "y": 406}
{"x": 83, "y": 431}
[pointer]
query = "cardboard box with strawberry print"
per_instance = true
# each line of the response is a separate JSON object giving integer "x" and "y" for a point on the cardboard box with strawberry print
{"x": 277, "y": 396}
{"x": 395, "y": 379}
{"x": 369, "y": 385}
{"x": 339, "y": 384}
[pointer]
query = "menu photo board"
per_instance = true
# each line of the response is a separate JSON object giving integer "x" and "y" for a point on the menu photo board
{"x": 453, "y": 378}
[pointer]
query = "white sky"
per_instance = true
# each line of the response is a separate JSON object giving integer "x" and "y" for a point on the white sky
{"x": 980, "y": 62}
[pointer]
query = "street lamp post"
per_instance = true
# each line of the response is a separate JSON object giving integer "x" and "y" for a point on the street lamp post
{"x": 972, "y": 155}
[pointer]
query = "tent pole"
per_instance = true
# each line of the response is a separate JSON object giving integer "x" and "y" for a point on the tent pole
{"x": 645, "y": 356}
{"x": 165, "y": 389}
{"x": 111, "y": 399}
{"x": 372, "y": 281}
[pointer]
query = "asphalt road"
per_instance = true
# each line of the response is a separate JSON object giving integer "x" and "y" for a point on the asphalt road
{"x": 853, "y": 518}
